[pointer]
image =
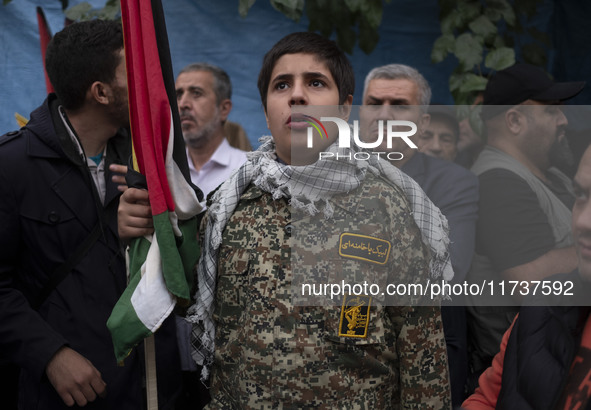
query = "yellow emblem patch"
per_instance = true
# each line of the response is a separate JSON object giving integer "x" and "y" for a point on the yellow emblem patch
{"x": 365, "y": 248}
{"x": 354, "y": 316}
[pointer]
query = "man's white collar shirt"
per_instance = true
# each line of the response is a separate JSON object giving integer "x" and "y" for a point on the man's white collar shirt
{"x": 220, "y": 166}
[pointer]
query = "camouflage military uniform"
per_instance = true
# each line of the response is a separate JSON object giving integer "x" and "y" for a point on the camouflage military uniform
{"x": 272, "y": 354}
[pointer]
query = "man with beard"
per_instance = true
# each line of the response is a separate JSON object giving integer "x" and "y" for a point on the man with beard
{"x": 523, "y": 230}
{"x": 204, "y": 95}
{"x": 61, "y": 267}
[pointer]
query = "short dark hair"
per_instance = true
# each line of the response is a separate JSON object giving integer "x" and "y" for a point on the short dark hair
{"x": 320, "y": 47}
{"x": 81, "y": 54}
{"x": 222, "y": 85}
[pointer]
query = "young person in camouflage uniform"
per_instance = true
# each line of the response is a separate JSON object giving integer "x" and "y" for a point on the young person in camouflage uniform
{"x": 263, "y": 348}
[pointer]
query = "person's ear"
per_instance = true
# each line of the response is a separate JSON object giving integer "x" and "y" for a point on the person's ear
{"x": 267, "y": 119}
{"x": 225, "y": 108}
{"x": 514, "y": 120}
{"x": 346, "y": 107}
{"x": 99, "y": 92}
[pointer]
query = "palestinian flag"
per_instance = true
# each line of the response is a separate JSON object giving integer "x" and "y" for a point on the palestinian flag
{"x": 161, "y": 265}
{"x": 45, "y": 38}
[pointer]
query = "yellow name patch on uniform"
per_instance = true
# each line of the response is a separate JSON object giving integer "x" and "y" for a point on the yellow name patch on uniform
{"x": 354, "y": 316}
{"x": 365, "y": 248}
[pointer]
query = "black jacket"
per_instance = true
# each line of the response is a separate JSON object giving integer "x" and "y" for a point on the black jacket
{"x": 541, "y": 349}
{"x": 48, "y": 205}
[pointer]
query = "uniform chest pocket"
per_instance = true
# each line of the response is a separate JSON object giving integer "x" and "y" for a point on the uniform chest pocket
{"x": 371, "y": 358}
{"x": 233, "y": 265}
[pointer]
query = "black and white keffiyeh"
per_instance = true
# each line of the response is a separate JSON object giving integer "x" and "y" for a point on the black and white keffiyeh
{"x": 309, "y": 188}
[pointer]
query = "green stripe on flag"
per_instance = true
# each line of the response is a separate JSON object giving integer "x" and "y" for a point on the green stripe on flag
{"x": 124, "y": 324}
{"x": 134, "y": 317}
{"x": 179, "y": 254}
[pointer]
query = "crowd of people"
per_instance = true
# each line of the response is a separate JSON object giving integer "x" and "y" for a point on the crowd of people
{"x": 499, "y": 208}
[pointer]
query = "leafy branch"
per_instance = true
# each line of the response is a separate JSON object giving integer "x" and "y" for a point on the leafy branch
{"x": 354, "y": 21}
{"x": 483, "y": 36}
{"x": 84, "y": 11}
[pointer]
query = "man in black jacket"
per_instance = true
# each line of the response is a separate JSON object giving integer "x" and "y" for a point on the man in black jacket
{"x": 58, "y": 193}
{"x": 546, "y": 357}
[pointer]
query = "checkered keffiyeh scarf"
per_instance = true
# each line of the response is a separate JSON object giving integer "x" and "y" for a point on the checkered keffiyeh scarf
{"x": 310, "y": 188}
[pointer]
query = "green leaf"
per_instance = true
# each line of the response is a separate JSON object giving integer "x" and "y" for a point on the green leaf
{"x": 450, "y": 23}
{"x": 500, "y": 58}
{"x": 464, "y": 98}
{"x": 475, "y": 120}
{"x": 442, "y": 46}
{"x": 494, "y": 15}
{"x": 315, "y": 10}
{"x": 109, "y": 12}
{"x": 468, "y": 50}
{"x": 534, "y": 54}
{"x": 455, "y": 81}
{"x": 462, "y": 111}
{"x": 467, "y": 12}
{"x": 321, "y": 25}
{"x": 446, "y": 7}
{"x": 5, "y": 2}
{"x": 498, "y": 42}
{"x": 291, "y": 8}
{"x": 504, "y": 9}
{"x": 483, "y": 26}
{"x": 510, "y": 17}
{"x": 354, "y": 5}
{"x": 78, "y": 12}
{"x": 244, "y": 6}
{"x": 473, "y": 82}
{"x": 368, "y": 37}
{"x": 322, "y": 5}
{"x": 372, "y": 11}
{"x": 346, "y": 38}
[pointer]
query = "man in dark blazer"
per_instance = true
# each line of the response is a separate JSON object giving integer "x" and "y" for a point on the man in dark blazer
{"x": 61, "y": 267}
{"x": 400, "y": 92}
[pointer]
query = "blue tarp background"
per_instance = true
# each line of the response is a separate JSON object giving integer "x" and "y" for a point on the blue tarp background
{"x": 213, "y": 31}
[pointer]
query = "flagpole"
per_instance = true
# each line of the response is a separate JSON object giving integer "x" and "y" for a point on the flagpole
{"x": 151, "y": 379}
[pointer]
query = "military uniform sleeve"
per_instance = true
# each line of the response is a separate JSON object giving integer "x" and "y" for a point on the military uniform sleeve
{"x": 424, "y": 376}
{"x": 420, "y": 342}
{"x": 26, "y": 339}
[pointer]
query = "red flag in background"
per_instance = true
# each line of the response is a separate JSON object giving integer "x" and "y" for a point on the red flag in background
{"x": 45, "y": 37}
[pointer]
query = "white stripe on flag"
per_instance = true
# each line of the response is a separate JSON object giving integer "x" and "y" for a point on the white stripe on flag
{"x": 151, "y": 299}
